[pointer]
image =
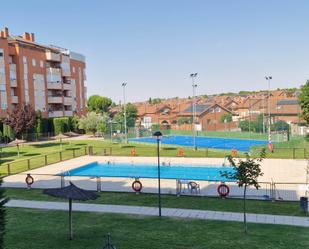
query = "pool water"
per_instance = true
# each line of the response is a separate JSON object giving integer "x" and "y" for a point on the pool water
{"x": 139, "y": 170}
{"x": 206, "y": 142}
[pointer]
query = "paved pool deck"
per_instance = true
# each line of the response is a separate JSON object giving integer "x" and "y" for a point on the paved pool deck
{"x": 166, "y": 212}
{"x": 288, "y": 174}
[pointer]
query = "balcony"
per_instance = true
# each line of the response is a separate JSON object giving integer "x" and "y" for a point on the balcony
{"x": 53, "y": 75}
{"x": 54, "y": 86}
{"x": 55, "y": 114}
{"x": 67, "y": 86}
{"x": 68, "y": 113}
{"x": 50, "y": 56}
{"x": 54, "y": 99}
{"x": 14, "y": 99}
{"x": 68, "y": 100}
{"x": 13, "y": 83}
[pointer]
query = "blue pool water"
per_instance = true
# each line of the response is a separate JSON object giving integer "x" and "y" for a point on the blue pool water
{"x": 206, "y": 142}
{"x": 185, "y": 172}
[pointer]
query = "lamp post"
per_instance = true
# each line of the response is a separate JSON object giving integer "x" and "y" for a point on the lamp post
{"x": 158, "y": 136}
{"x": 194, "y": 86}
{"x": 125, "y": 111}
{"x": 269, "y": 78}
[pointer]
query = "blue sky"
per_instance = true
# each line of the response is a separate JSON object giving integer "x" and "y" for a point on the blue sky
{"x": 155, "y": 45}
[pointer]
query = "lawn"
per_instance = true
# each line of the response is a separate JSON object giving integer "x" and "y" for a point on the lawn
{"x": 171, "y": 201}
{"x": 37, "y": 229}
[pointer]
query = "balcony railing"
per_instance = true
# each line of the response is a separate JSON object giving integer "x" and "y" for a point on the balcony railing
{"x": 68, "y": 113}
{"x": 13, "y": 82}
{"x": 50, "y": 56}
{"x": 54, "y": 85}
{"x": 54, "y": 99}
{"x": 68, "y": 100}
{"x": 55, "y": 114}
{"x": 14, "y": 99}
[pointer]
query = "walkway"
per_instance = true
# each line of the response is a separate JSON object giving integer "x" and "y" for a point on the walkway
{"x": 168, "y": 212}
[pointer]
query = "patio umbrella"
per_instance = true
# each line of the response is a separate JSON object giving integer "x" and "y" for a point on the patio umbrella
{"x": 17, "y": 142}
{"x": 60, "y": 136}
{"x": 71, "y": 192}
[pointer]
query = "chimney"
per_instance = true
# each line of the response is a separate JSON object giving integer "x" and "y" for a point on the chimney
{"x": 26, "y": 36}
{"x": 6, "y": 32}
{"x": 32, "y": 37}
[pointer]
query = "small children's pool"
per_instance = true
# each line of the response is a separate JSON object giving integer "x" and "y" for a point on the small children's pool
{"x": 148, "y": 170}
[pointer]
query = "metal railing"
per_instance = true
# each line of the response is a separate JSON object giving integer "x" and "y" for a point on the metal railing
{"x": 30, "y": 163}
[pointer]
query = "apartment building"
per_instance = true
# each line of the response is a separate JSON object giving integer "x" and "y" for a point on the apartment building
{"x": 49, "y": 78}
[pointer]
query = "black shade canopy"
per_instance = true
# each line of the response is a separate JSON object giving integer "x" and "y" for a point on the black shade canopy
{"x": 71, "y": 192}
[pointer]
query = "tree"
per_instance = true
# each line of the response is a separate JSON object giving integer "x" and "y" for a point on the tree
{"x": 184, "y": 120}
{"x": 131, "y": 115}
{"x": 228, "y": 117}
{"x": 244, "y": 125}
{"x": 99, "y": 104}
{"x": 21, "y": 119}
{"x": 304, "y": 101}
{"x": 246, "y": 173}
{"x": 280, "y": 125}
{"x": 92, "y": 122}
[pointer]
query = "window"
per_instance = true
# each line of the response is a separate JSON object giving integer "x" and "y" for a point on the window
{"x": 218, "y": 109}
{"x": 1, "y": 54}
{"x": 73, "y": 69}
{"x": 41, "y": 64}
{"x": 33, "y": 62}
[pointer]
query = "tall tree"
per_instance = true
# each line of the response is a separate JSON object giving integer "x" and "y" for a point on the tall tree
{"x": 304, "y": 101}
{"x": 246, "y": 173}
{"x": 99, "y": 104}
{"x": 93, "y": 122}
{"x": 131, "y": 115}
{"x": 21, "y": 119}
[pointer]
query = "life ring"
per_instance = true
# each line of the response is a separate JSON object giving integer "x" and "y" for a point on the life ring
{"x": 137, "y": 186}
{"x": 223, "y": 190}
{"x": 29, "y": 180}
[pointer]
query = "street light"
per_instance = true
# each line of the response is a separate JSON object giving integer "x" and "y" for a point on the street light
{"x": 269, "y": 78}
{"x": 158, "y": 136}
{"x": 124, "y": 111}
{"x": 194, "y": 86}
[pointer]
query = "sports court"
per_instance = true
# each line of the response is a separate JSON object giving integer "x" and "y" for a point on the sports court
{"x": 206, "y": 142}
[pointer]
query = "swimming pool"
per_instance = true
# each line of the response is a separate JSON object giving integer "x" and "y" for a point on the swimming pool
{"x": 206, "y": 142}
{"x": 148, "y": 170}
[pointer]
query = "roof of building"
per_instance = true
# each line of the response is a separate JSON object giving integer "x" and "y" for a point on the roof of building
{"x": 288, "y": 102}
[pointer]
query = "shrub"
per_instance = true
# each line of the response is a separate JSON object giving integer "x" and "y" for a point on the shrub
{"x": 61, "y": 125}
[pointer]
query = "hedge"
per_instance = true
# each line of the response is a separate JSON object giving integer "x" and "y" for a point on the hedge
{"x": 61, "y": 125}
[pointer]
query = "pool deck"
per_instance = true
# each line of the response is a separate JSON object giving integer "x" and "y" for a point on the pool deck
{"x": 288, "y": 174}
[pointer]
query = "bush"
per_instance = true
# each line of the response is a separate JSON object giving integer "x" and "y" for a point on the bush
{"x": 61, "y": 125}
{"x": 8, "y": 133}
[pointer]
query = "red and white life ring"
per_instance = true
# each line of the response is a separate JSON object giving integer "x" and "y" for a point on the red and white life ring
{"x": 137, "y": 186}
{"x": 29, "y": 180}
{"x": 223, "y": 190}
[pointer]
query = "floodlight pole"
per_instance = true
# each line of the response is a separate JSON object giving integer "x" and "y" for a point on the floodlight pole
{"x": 268, "y": 78}
{"x": 194, "y": 86}
{"x": 158, "y": 135}
{"x": 125, "y": 111}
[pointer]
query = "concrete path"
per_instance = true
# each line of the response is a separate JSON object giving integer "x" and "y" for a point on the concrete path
{"x": 168, "y": 212}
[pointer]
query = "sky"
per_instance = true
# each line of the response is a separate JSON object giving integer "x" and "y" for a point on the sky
{"x": 154, "y": 45}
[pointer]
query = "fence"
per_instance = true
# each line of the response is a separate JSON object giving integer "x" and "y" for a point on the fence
{"x": 275, "y": 191}
{"x": 18, "y": 166}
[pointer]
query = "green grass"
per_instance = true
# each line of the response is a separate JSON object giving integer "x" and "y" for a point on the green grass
{"x": 37, "y": 229}
{"x": 171, "y": 201}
